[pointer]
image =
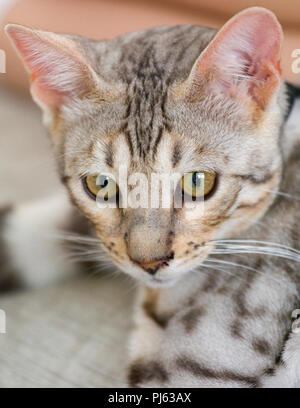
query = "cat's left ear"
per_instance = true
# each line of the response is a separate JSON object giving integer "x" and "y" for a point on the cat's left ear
{"x": 59, "y": 71}
{"x": 243, "y": 59}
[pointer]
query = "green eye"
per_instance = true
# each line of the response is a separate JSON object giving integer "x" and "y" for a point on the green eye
{"x": 198, "y": 184}
{"x": 101, "y": 186}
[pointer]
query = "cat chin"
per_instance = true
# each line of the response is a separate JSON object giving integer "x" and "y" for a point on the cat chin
{"x": 150, "y": 281}
{"x": 155, "y": 283}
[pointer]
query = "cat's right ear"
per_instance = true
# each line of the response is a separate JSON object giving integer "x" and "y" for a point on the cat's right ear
{"x": 242, "y": 61}
{"x": 59, "y": 71}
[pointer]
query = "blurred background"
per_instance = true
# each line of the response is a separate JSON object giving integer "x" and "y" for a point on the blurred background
{"x": 101, "y": 19}
{"x": 75, "y": 334}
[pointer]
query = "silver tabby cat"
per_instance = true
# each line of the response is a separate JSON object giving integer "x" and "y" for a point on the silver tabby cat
{"x": 218, "y": 286}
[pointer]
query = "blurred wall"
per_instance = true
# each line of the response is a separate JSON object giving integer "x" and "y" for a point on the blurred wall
{"x": 106, "y": 18}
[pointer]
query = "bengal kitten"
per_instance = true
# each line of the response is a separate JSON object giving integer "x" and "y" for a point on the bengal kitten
{"x": 219, "y": 280}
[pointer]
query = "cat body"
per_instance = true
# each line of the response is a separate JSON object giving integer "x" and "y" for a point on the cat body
{"x": 230, "y": 323}
{"x": 185, "y": 100}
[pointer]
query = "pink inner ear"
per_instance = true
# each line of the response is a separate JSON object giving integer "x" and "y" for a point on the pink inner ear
{"x": 52, "y": 99}
{"x": 56, "y": 67}
{"x": 245, "y": 52}
{"x": 30, "y": 47}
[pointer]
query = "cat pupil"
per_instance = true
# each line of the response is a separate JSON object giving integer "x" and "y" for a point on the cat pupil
{"x": 103, "y": 181}
{"x": 197, "y": 179}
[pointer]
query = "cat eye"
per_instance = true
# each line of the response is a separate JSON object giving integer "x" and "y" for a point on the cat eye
{"x": 101, "y": 187}
{"x": 198, "y": 184}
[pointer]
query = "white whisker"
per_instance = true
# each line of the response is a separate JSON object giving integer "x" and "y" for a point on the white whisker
{"x": 252, "y": 241}
{"x": 262, "y": 251}
{"x": 222, "y": 262}
{"x": 231, "y": 264}
{"x": 281, "y": 193}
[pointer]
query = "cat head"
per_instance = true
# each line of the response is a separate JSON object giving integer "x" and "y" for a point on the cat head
{"x": 202, "y": 107}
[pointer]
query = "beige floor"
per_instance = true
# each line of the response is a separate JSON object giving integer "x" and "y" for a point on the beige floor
{"x": 73, "y": 334}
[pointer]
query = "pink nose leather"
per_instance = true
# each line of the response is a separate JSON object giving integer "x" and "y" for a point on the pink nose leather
{"x": 152, "y": 267}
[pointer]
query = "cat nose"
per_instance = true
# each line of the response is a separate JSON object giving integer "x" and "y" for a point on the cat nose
{"x": 154, "y": 266}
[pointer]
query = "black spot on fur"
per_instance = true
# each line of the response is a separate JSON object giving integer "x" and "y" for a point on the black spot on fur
{"x": 141, "y": 372}
{"x": 240, "y": 297}
{"x": 236, "y": 329}
{"x": 270, "y": 371}
{"x": 169, "y": 240}
{"x": 109, "y": 155}
{"x": 191, "y": 318}
{"x": 211, "y": 283}
{"x": 261, "y": 346}
{"x": 150, "y": 309}
{"x": 200, "y": 370}
{"x": 176, "y": 157}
